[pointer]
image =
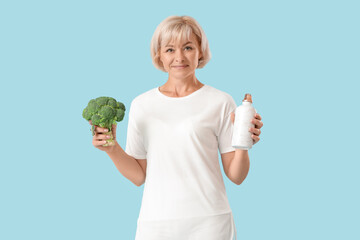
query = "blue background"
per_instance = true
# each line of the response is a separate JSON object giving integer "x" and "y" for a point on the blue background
{"x": 299, "y": 59}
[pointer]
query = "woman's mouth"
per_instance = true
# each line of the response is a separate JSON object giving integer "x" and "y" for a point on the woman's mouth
{"x": 180, "y": 66}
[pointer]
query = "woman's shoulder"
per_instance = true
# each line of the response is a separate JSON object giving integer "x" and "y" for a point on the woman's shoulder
{"x": 145, "y": 96}
{"x": 218, "y": 94}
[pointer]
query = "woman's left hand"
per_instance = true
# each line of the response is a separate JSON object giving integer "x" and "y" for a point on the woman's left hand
{"x": 255, "y": 131}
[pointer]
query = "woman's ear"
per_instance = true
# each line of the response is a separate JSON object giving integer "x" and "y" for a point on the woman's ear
{"x": 200, "y": 56}
{"x": 159, "y": 59}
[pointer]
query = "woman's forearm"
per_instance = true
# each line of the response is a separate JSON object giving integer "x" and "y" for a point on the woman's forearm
{"x": 127, "y": 165}
{"x": 239, "y": 166}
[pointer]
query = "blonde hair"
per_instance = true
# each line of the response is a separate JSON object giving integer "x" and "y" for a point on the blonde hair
{"x": 179, "y": 28}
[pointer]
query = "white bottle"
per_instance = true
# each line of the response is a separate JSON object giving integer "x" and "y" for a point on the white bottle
{"x": 244, "y": 113}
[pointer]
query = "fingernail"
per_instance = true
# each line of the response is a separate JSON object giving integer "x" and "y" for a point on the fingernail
{"x": 106, "y": 130}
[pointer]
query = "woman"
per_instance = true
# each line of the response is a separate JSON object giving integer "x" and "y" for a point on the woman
{"x": 174, "y": 133}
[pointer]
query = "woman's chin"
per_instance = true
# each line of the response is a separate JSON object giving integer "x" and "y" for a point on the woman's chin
{"x": 181, "y": 72}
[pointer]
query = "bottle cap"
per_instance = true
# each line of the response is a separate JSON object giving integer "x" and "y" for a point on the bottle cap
{"x": 247, "y": 98}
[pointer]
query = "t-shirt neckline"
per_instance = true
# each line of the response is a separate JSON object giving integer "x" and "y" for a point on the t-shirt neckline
{"x": 180, "y": 98}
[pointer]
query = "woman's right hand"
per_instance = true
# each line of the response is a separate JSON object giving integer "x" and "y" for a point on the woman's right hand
{"x": 99, "y": 138}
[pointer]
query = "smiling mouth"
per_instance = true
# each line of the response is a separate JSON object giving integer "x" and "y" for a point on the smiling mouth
{"x": 183, "y": 66}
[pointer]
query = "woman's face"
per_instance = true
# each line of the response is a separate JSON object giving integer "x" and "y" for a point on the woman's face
{"x": 182, "y": 58}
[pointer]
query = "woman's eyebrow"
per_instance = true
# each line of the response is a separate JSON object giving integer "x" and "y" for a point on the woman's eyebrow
{"x": 172, "y": 45}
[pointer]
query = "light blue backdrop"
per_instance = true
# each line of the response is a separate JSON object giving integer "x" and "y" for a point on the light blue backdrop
{"x": 299, "y": 59}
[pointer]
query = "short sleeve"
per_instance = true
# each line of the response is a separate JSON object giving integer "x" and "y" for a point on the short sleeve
{"x": 134, "y": 140}
{"x": 226, "y": 127}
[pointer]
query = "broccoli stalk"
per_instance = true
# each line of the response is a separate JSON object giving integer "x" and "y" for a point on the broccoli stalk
{"x": 104, "y": 112}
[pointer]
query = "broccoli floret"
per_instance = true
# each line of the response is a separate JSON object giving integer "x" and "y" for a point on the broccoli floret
{"x": 104, "y": 112}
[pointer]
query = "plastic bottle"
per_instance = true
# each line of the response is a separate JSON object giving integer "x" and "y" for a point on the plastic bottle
{"x": 244, "y": 113}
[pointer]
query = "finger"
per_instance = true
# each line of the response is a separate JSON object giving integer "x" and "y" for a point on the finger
{"x": 100, "y": 137}
{"x": 90, "y": 122}
{"x": 97, "y": 143}
{"x": 255, "y": 138}
{"x": 255, "y": 131}
{"x": 257, "y": 116}
{"x": 232, "y": 117}
{"x": 258, "y": 124}
{"x": 100, "y": 129}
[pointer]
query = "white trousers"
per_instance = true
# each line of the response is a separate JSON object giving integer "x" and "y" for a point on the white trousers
{"x": 217, "y": 227}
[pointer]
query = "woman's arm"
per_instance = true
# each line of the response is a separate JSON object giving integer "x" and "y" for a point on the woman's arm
{"x": 236, "y": 165}
{"x": 127, "y": 165}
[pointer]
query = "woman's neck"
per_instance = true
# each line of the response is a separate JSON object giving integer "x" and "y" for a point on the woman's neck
{"x": 180, "y": 87}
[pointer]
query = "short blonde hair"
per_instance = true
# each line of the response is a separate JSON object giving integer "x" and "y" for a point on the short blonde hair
{"x": 176, "y": 28}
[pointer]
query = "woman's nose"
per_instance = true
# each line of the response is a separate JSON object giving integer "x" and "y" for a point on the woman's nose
{"x": 179, "y": 56}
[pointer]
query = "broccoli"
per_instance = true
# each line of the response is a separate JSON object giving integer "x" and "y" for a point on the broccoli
{"x": 104, "y": 112}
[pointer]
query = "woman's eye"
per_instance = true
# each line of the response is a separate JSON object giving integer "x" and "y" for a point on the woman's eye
{"x": 171, "y": 50}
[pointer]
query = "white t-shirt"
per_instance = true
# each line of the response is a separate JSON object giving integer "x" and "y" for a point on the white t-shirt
{"x": 180, "y": 138}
